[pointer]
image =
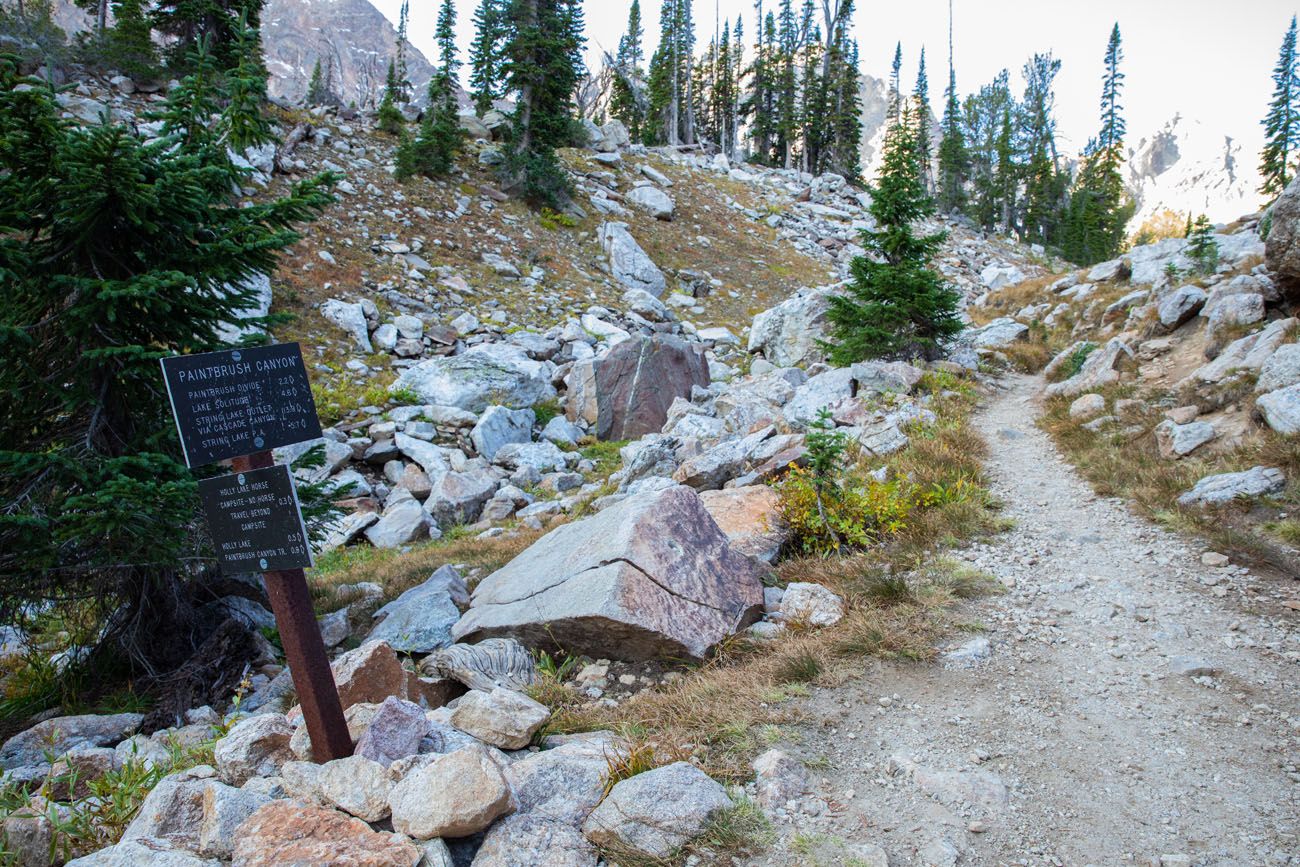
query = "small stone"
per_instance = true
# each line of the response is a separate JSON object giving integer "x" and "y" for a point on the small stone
{"x": 1214, "y": 559}
{"x": 356, "y": 785}
{"x": 455, "y": 795}
{"x": 503, "y": 718}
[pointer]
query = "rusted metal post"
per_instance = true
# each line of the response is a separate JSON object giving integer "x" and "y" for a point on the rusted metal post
{"x": 305, "y": 650}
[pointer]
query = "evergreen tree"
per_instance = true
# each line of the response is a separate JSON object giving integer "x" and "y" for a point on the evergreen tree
{"x": 117, "y": 251}
{"x": 811, "y": 99}
{"x": 988, "y": 146}
{"x": 389, "y": 117}
{"x": 954, "y": 160}
{"x": 895, "y": 305}
{"x": 672, "y": 76}
{"x": 129, "y": 43}
{"x": 217, "y": 21}
{"x": 316, "y": 86}
{"x": 403, "y": 75}
{"x": 787, "y": 100}
{"x": 1098, "y": 209}
{"x": 840, "y": 152}
{"x": 543, "y": 66}
{"x": 1044, "y": 184}
{"x": 1282, "y": 124}
{"x": 1203, "y": 249}
{"x": 433, "y": 151}
{"x": 486, "y": 54}
{"x": 243, "y": 122}
{"x": 627, "y": 103}
{"x": 924, "y": 145}
{"x": 762, "y": 91}
{"x": 895, "y": 97}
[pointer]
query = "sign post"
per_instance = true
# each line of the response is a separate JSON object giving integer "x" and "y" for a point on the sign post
{"x": 239, "y": 404}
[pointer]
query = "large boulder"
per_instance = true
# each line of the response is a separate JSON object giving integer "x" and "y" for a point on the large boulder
{"x": 285, "y": 832}
{"x": 1103, "y": 367}
{"x": 1179, "y": 440}
{"x": 403, "y": 521}
{"x": 455, "y": 795}
{"x": 998, "y": 334}
{"x": 535, "y": 840}
{"x": 626, "y": 394}
{"x": 1282, "y": 248}
{"x": 751, "y": 519}
{"x": 1246, "y": 353}
{"x": 499, "y": 426}
{"x": 458, "y": 498}
{"x": 486, "y": 374}
{"x": 1281, "y": 409}
{"x": 628, "y": 262}
{"x": 61, "y": 734}
{"x": 351, "y": 317}
{"x": 420, "y": 620}
{"x": 501, "y": 718}
{"x": 1180, "y": 306}
{"x": 1282, "y": 369}
{"x": 652, "y": 575}
{"x": 652, "y": 815}
{"x": 787, "y": 334}
{"x": 1221, "y": 489}
{"x": 255, "y": 747}
{"x": 652, "y": 200}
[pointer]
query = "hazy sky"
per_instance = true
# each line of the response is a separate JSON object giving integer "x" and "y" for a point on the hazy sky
{"x": 1207, "y": 59}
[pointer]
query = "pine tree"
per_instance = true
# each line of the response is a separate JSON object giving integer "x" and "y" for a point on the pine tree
{"x": 129, "y": 43}
{"x": 433, "y": 151}
{"x": 118, "y": 250}
{"x": 954, "y": 160}
{"x": 217, "y": 21}
{"x": 486, "y": 54}
{"x": 895, "y": 97}
{"x": 244, "y": 123}
{"x": 1098, "y": 209}
{"x": 389, "y": 117}
{"x": 840, "y": 149}
{"x": 811, "y": 100}
{"x": 1203, "y": 249}
{"x": 403, "y": 75}
{"x": 1282, "y": 124}
{"x": 895, "y": 305}
{"x": 1044, "y": 184}
{"x": 672, "y": 74}
{"x": 762, "y": 91}
{"x": 988, "y": 146}
{"x": 787, "y": 100}
{"x": 924, "y": 145}
{"x": 627, "y": 103}
{"x": 543, "y": 66}
{"x": 315, "y": 86}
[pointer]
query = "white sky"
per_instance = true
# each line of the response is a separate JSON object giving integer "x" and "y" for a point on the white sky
{"x": 1208, "y": 60}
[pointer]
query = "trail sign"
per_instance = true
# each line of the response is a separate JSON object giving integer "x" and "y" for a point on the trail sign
{"x": 239, "y": 401}
{"x": 256, "y": 521}
{"x": 240, "y": 404}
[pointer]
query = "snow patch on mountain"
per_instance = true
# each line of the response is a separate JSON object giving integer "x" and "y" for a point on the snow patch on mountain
{"x": 1189, "y": 167}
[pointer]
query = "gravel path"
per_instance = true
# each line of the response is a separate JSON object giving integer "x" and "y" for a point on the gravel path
{"x": 1127, "y": 704}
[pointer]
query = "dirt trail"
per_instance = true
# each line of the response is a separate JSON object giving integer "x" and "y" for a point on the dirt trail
{"x": 1129, "y": 707}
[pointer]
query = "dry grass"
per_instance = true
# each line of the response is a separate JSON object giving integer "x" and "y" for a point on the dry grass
{"x": 397, "y": 571}
{"x": 1006, "y": 302}
{"x": 1130, "y": 466}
